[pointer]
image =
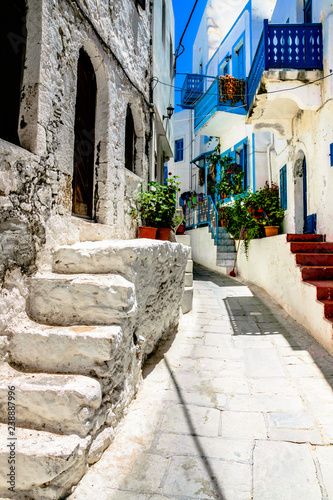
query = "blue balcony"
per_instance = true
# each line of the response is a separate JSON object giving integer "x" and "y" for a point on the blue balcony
{"x": 192, "y": 90}
{"x": 285, "y": 47}
{"x": 212, "y": 114}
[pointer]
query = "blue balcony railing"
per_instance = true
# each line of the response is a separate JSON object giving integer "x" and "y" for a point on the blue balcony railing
{"x": 286, "y": 46}
{"x": 192, "y": 90}
{"x": 203, "y": 214}
{"x": 210, "y": 102}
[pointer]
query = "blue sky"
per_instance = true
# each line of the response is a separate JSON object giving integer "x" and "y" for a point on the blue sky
{"x": 182, "y": 10}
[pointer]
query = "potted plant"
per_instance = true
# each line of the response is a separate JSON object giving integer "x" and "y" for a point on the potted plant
{"x": 165, "y": 208}
{"x": 145, "y": 214}
{"x": 232, "y": 177}
{"x": 267, "y": 209}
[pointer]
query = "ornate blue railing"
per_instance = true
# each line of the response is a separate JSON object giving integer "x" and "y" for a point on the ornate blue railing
{"x": 203, "y": 214}
{"x": 192, "y": 90}
{"x": 286, "y": 46}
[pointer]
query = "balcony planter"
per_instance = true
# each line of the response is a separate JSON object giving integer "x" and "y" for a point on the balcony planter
{"x": 147, "y": 232}
{"x": 163, "y": 233}
{"x": 271, "y": 230}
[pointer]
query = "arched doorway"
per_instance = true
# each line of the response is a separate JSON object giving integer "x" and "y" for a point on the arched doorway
{"x": 84, "y": 145}
{"x": 12, "y": 54}
{"x": 130, "y": 140}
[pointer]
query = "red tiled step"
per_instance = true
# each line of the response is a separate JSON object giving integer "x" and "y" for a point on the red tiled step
{"x": 328, "y": 308}
{"x": 314, "y": 259}
{"x": 317, "y": 273}
{"x": 324, "y": 289}
{"x": 305, "y": 237}
{"x": 311, "y": 247}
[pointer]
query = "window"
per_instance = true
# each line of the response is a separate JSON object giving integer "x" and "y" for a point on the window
{"x": 331, "y": 154}
{"x": 130, "y": 139}
{"x": 163, "y": 21}
{"x": 241, "y": 159}
{"x": 224, "y": 67}
{"x": 240, "y": 62}
{"x": 283, "y": 187}
{"x": 12, "y": 44}
{"x": 179, "y": 150}
{"x": 308, "y": 11}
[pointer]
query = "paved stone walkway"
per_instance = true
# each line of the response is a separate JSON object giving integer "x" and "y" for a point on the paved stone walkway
{"x": 238, "y": 406}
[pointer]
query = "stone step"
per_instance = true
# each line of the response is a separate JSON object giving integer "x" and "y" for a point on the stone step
{"x": 187, "y": 300}
{"x": 311, "y": 247}
{"x": 231, "y": 254}
{"x": 225, "y": 262}
{"x": 81, "y": 350}
{"x": 226, "y": 242}
{"x": 188, "y": 281}
{"x": 314, "y": 259}
{"x": 40, "y": 458}
{"x": 189, "y": 266}
{"x": 305, "y": 237}
{"x": 328, "y": 307}
{"x": 225, "y": 248}
{"x": 64, "y": 300}
{"x": 64, "y": 404}
{"x": 317, "y": 273}
{"x": 324, "y": 289}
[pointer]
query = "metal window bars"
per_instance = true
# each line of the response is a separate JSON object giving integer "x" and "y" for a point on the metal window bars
{"x": 203, "y": 214}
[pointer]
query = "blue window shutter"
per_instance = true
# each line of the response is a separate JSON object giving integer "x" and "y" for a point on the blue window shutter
{"x": 179, "y": 150}
{"x": 331, "y": 154}
{"x": 283, "y": 187}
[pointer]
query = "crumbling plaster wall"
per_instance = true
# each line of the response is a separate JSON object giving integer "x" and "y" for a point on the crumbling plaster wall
{"x": 36, "y": 179}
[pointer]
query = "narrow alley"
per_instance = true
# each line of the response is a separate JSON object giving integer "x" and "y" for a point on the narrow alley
{"x": 237, "y": 406}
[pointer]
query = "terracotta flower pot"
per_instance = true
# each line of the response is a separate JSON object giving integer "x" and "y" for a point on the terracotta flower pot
{"x": 181, "y": 229}
{"x": 163, "y": 233}
{"x": 271, "y": 230}
{"x": 147, "y": 232}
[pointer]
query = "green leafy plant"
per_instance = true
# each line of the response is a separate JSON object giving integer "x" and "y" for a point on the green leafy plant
{"x": 232, "y": 177}
{"x": 157, "y": 206}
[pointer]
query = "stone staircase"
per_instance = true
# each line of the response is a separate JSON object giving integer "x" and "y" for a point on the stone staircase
{"x": 314, "y": 257}
{"x": 225, "y": 249}
{"x": 75, "y": 356}
{"x": 187, "y": 299}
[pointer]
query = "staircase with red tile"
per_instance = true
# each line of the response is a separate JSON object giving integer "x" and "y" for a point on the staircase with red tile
{"x": 314, "y": 257}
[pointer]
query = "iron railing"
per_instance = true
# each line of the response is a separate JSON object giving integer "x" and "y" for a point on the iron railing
{"x": 285, "y": 47}
{"x": 203, "y": 214}
{"x": 192, "y": 90}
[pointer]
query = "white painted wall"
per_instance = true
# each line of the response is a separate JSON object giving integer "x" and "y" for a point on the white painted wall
{"x": 272, "y": 266}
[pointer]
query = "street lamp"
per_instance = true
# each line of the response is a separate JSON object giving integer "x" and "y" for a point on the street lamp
{"x": 170, "y": 111}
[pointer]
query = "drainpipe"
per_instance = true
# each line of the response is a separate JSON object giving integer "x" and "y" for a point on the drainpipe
{"x": 270, "y": 147}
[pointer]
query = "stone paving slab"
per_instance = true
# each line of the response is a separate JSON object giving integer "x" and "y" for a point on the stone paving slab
{"x": 238, "y": 406}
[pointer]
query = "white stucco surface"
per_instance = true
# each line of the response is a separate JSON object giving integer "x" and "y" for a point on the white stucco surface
{"x": 272, "y": 266}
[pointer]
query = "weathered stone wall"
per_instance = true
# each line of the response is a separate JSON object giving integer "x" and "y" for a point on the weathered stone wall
{"x": 75, "y": 381}
{"x": 36, "y": 179}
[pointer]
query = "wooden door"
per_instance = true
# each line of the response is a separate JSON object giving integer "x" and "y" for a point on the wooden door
{"x": 84, "y": 145}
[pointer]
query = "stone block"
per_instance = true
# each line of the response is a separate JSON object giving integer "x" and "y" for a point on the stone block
{"x": 284, "y": 470}
{"x": 75, "y": 349}
{"x": 243, "y": 425}
{"x": 40, "y": 457}
{"x": 189, "y": 266}
{"x": 64, "y": 404}
{"x": 188, "y": 419}
{"x": 56, "y": 299}
{"x": 188, "y": 281}
{"x": 187, "y": 300}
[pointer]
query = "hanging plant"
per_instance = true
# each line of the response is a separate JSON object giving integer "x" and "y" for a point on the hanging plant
{"x": 232, "y": 89}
